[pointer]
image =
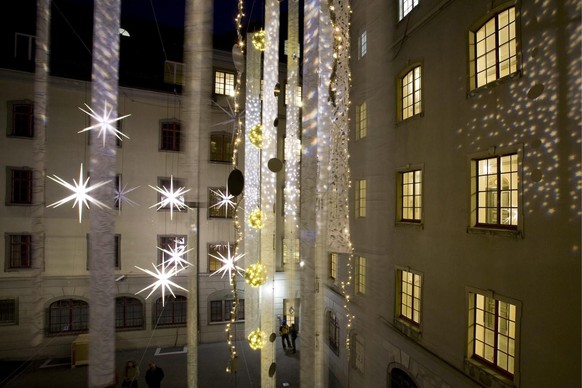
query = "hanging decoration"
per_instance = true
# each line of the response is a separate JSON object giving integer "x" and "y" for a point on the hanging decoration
{"x": 256, "y": 274}
{"x": 104, "y": 123}
{"x": 80, "y": 194}
{"x": 257, "y": 339}
{"x": 175, "y": 256}
{"x": 170, "y": 198}
{"x": 260, "y": 40}
{"x": 121, "y": 197}
{"x": 257, "y": 219}
{"x": 256, "y": 136}
{"x": 228, "y": 264}
{"x": 163, "y": 281}
{"x": 224, "y": 199}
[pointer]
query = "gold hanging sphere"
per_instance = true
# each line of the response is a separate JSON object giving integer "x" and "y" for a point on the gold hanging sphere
{"x": 257, "y": 219}
{"x": 257, "y": 339}
{"x": 256, "y": 136}
{"x": 256, "y": 274}
{"x": 260, "y": 40}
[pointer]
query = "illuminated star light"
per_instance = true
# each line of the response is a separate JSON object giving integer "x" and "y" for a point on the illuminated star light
{"x": 121, "y": 195}
{"x": 80, "y": 193}
{"x": 228, "y": 264}
{"x": 163, "y": 281}
{"x": 171, "y": 198}
{"x": 225, "y": 199}
{"x": 176, "y": 258}
{"x": 104, "y": 123}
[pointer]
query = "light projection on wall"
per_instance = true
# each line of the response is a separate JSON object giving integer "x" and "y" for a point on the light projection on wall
{"x": 163, "y": 280}
{"x": 171, "y": 198}
{"x": 81, "y": 190}
{"x": 105, "y": 123}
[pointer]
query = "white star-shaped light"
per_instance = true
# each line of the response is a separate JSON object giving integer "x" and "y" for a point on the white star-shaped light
{"x": 176, "y": 258}
{"x": 171, "y": 198}
{"x": 80, "y": 193}
{"x": 163, "y": 281}
{"x": 121, "y": 195}
{"x": 224, "y": 199}
{"x": 104, "y": 123}
{"x": 228, "y": 264}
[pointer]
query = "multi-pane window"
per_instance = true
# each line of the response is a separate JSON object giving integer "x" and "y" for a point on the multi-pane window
{"x": 497, "y": 189}
{"x": 116, "y": 251}
{"x": 359, "y": 352}
{"x": 220, "y": 147}
{"x": 333, "y": 258}
{"x": 128, "y": 313}
{"x": 411, "y": 93}
{"x": 171, "y": 243}
{"x": 360, "y": 198}
{"x": 24, "y": 47}
{"x": 171, "y": 313}
{"x": 220, "y": 310}
{"x": 8, "y": 312}
{"x": 361, "y": 120}
{"x": 411, "y": 196}
{"x": 224, "y": 83}
{"x": 171, "y": 184}
{"x": 68, "y": 316}
{"x": 21, "y": 119}
{"x": 217, "y": 207}
{"x": 19, "y": 186}
{"x": 18, "y": 251}
{"x": 333, "y": 331}
{"x": 410, "y": 296}
{"x": 406, "y": 6}
{"x": 217, "y": 250}
{"x": 492, "y": 332}
{"x": 170, "y": 135}
{"x": 362, "y": 44}
{"x": 360, "y": 278}
{"x": 493, "y": 49}
{"x": 174, "y": 73}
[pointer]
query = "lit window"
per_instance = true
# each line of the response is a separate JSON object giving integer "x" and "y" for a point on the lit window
{"x": 18, "y": 251}
{"x": 19, "y": 186}
{"x": 220, "y": 310}
{"x": 362, "y": 44}
{"x": 170, "y": 135}
{"x": 411, "y": 93}
{"x": 215, "y": 209}
{"x": 360, "y": 278}
{"x": 361, "y": 120}
{"x": 333, "y": 331}
{"x": 409, "y": 287}
{"x": 8, "y": 312}
{"x": 224, "y": 83}
{"x": 21, "y": 119}
{"x": 173, "y": 312}
{"x": 220, "y": 147}
{"x": 116, "y": 251}
{"x": 410, "y": 196}
{"x": 358, "y": 353}
{"x": 361, "y": 198}
{"x": 213, "y": 251}
{"x": 68, "y": 316}
{"x": 128, "y": 313}
{"x": 492, "y": 332}
{"x": 298, "y": 95}
{"x": 493, "y": 49}
{"x": 333, "y": 257}
{"x": 406, "y": 6}
{"x": 174, "y": 73}
{"x": 497, "y": 191}
{"x": 167, "y": 183}
{"x": 171, "y": 243}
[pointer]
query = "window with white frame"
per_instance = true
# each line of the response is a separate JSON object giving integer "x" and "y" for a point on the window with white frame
{"x": 175, "y": 243}
{"x": 8, "y": 311}
{"x": 18, "y": 251}
{"x": 362, "y": 44}
{"x": 171, "y": 184}
{"x": 224, "y": 82}
{"x": 171, "y": 312}
{"x": 360, "y": 198}
{"x": 495, "y": 183}
{"x": 361, "y": 120}
{"x": 409, "y": 187}
{"x": 360, "y": 275}
{"x": 492, "y": 333}
{"x": 493, "y": 49}
{"x": 20, "y": 119}
{"x": 333, "y": 260}
{"x": 406, "y": 6}
{"x": 408, "y": 291}
{"x": 411, "y": 93}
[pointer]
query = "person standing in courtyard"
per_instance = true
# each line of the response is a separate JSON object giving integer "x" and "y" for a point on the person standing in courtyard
{"x": 284, "y": 331}
{"x": 293, "y": 330}
{"x": 131, "y": 375}
{"x": 154, "y": 375}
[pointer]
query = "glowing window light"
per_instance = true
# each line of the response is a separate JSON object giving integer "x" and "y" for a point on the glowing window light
{"x": 80, "y": 194}
{"x": 104, "y": 123}
{"x": 257, "y": 219}
{"x": 256, "y": 274}
{"x": 228, "y": 264}
{"x": 257, "y": 339}
{"x": 171, "y": 198}
{"x": 163, "y": 281}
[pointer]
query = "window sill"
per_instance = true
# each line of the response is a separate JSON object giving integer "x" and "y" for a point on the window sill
{"x": 410, "y": 119}
{"x": 408, "y": 329}
{"x": 493, "y": 84}
{"x": 169, "y": 326}
{"x": 486, "y": 376}
{"x": 513, "y": 233}
{"x": 407, "y": 224}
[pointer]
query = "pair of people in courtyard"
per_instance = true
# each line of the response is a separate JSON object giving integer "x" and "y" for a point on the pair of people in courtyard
{"x": 285, "y": 331}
